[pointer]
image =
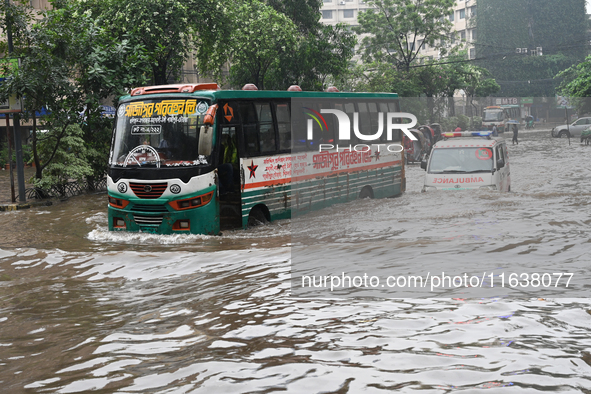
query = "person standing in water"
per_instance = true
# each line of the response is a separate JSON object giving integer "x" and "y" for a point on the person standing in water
{"x": 515, "y": 135}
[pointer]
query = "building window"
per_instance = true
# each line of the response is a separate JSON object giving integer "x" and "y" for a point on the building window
{"x": 463, "y": 35}
{"x": 419, "y": 43}
{"x": 473, "y": 10}
{"x": 348, "y": 14}
{"x": 472, "y": 53}
{"x": 462, "y": 13}
{"x": 327, "y": 14}
{"x": 328, "y": 1}
{"x": 451, "y": 17}
{"x": 473, "y": 34}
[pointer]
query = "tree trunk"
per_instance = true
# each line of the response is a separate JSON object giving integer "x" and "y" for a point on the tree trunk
{"x": 451, "y": 105}
{"x": 38, "y": 169}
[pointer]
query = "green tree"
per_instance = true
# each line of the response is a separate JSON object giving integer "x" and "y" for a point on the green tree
{"x": 576, "y": 83}
{"x": 169, "y": 30}
{"x": 259, "y": 42}
{"x": 305, "y": 52}
{"x": 398, "y": 29}
{"x": 68, "y": 65}
{"x": 559, "y": 28}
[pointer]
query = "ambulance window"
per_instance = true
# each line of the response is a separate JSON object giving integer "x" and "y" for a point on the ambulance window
{"x": 500, "y": 155}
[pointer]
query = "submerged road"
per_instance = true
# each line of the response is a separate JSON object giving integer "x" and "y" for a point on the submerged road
{"x": 82, "y": 308}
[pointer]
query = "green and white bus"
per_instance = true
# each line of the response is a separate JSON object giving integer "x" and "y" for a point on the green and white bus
{"x": 196, "y": 159}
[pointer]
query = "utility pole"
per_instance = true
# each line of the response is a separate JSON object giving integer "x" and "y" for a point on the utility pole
{"x": 20, "y": 170}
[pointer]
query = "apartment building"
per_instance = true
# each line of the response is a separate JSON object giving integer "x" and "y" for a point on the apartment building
{"x": 462, "y": 19}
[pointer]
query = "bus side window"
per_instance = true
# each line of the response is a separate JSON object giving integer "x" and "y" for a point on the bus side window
{"x": 374, "y": 119}
{"x": 364, "y": 121}
{"x": 384, "y": 109}
{"x": 349, "y": 110}
{"x": 283, "y": 125}
{"x": 316, "y": 131}
{"x": 267, "y": 141}
{"x": 249, "y": 129}
{"x": 396, "y": 134}
{"x": 326, "y": 136}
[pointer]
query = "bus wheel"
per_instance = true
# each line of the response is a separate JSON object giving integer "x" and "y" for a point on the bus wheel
{"x": 257, "y": 216}
{"x": 366, "y": 192}
{"x": 563, "y": 134}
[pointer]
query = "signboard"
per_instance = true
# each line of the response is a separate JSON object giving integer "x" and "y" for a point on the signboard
{"x": 506, "y": 101}
{"x": 563, "y": 102}
{"x": 13, "y": 104}
{"x": 108, "y": 111}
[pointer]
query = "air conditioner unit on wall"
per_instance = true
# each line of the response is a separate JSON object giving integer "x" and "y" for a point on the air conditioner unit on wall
{"x": 342, "y": 2}
{"x": 518, "y": 50}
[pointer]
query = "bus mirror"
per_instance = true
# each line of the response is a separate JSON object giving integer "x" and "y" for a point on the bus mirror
{"x": 424, "y": 164}
{"x": 210, "y": 115}
{"x": 500, "y": 164}
{"x": 205, "y": 140}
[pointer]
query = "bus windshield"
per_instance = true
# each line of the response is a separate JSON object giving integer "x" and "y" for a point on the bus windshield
{"x": 160, "y": 133}
{"x": 461, "y": 160}
{"x": 492, "y": 115}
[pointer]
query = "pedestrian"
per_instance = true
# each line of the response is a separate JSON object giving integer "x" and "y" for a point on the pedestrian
{"x": 458, "y": 128}
{"x": 495, "y": 132}
{"x": 515, "y": 135}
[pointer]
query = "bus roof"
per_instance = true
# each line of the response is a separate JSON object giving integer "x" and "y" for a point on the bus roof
{"x": 215, "y": 95}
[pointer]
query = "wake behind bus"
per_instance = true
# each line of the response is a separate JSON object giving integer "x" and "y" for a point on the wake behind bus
{"x": 196, "y": 159}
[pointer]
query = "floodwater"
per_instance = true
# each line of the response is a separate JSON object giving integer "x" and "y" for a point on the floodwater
{"x": 83, "y": 309}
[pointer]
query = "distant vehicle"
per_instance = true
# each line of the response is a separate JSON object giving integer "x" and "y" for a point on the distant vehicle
{"x": 505, "y": 117}
{"x": 468, "y": 160}
{"x": 573, "y": 130}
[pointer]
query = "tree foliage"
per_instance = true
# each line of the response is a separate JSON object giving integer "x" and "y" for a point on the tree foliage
{"x": 576, "y": 83}
{"x": 260, "y": 42}
{"x": 559, "y": 28}
{"x": 69, "y": 65}
{"x": 398, "y": 29}
{"x": 305, "y": 52}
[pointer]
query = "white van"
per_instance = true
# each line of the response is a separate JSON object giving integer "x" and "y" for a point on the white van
{"x": 468, "y": 160}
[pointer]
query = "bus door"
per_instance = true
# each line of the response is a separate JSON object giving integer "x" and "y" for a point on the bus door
{"x": 228, "y": 165}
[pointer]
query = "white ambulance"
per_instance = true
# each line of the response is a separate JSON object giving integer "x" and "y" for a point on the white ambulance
{"x": 468, "y": 160}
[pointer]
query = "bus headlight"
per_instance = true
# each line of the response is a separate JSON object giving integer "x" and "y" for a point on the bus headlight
{"x": 489, "y": 187}
{"x": 428, "y": 188}
{"x": 193, "y": 202}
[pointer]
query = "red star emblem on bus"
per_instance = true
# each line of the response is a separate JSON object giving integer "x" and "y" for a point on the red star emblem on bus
{"x": 252, "y": 168}
{"x": 228, "y": 112}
